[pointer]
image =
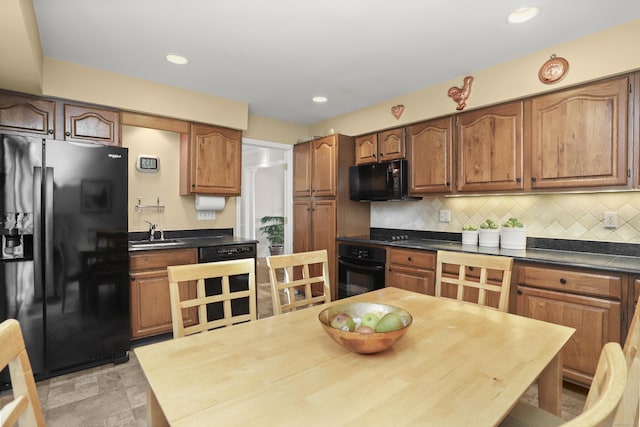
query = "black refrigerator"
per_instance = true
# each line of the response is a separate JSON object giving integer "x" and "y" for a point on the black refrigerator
{"x": 64, "y": 259}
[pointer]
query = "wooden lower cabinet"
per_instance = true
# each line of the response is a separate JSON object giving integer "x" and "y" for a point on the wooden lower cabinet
{"x": 411, "y": 270}
{"x": 590, "y": 302}
{"x": 150, "y": 301}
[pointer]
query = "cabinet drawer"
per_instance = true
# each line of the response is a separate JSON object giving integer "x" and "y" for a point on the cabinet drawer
{"x": 596, "y": 284}
{"x": 418, "y": 259}
{"x": 161, "y": 259}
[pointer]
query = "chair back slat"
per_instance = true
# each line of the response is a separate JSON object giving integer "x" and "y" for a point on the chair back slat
{"x": 25, "y": 407}
{"x": 196, "y": 275}
{"x": 293, "y": 292}
{"x": 480, "y": 283}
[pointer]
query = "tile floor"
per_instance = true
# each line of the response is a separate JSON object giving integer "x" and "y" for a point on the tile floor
{"x": 115, "y": 395}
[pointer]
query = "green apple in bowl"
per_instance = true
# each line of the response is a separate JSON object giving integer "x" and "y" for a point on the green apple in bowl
{"x": 370, "y": 320}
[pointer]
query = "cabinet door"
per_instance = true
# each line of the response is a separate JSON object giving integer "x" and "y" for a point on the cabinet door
{"x": 324, "y": 166}
{"x": 302, "y": 170}
{"x": 429, "y": 152}
{"x": 596, "y": 320}
{"x": 301, "y": 225}
{"x": 323, "y": 220}
{"x": 391, "y": 145}
{"x": 411, "y": 279}
{"x": 215, "y": 160}
{"x": 150, "y": 302}
{"x": 89, "y": 124}
{"x": 579, "y": 136}
{"x": 23, "y": 114}
{"x": 490, "y": 148}
{"x": 366, "y": 149}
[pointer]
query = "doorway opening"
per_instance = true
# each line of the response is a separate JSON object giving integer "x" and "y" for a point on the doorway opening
{"x": 267, "y": 182}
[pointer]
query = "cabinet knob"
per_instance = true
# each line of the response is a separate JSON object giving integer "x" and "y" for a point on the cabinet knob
{"x": 563, "y": 280}
{"x": 447, "y": 183}
{"x": 133, "y": 279}
{"x": 409, "y": 258}
{"x": 470, "y": 268}
{"x": 533, "y": 179}
{"x": 519, "y": 292}
{"x": 518, "y": 179}
{"x": 50, "y": 131}
{"x": 67, "y": 134}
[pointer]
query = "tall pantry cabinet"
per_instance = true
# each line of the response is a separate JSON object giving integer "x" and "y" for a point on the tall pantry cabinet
{"x": 322, "y": 210}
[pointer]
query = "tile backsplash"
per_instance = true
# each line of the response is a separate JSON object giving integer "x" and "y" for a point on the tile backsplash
{"x": 554, "y": 216}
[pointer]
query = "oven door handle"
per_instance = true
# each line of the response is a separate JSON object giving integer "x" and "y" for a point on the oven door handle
{"x": 360, "y": 266}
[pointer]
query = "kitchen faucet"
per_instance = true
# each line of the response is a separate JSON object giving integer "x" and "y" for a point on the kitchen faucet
{"x": 152, "y": 230}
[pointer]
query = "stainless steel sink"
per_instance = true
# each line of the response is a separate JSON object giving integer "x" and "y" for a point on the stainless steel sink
{"x": 154, "y": 243}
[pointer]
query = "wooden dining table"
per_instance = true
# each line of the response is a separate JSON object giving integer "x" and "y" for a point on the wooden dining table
{"x": 459, "y": 364}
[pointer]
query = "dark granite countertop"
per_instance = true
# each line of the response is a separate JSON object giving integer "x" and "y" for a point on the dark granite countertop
{"x": 624, "y": 258}
{"x": 190, "y": 239}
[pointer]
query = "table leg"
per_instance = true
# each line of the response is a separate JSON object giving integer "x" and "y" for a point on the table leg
{"x": 154, "y": 412}
{"x": 550, "y": 386}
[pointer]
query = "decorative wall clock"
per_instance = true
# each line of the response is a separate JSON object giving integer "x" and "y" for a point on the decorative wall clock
{"x": 554, "y": 70}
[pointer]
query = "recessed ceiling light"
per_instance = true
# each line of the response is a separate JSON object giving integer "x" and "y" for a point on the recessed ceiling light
{"x": 523, "y": 14}
{"x": 177, "y": 59}
{"x": 319, "y": 99}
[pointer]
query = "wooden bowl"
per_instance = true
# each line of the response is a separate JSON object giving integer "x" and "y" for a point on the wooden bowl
{"x": 363, "y": 342}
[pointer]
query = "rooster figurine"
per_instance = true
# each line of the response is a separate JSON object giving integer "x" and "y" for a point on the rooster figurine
{"x": 460, "y": 95}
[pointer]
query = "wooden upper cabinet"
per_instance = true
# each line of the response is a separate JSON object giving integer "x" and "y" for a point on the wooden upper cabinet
{"x": 490, "y": 148}
{"x": 429, "y": 154}
{"x": 579, "y": 136}
{"x": 380, "y": 147}
{"x": 302, "y": 170}
{"x": 90, "y": 124}
{"x": 24, "y": 114}
{"x": 391, "y": 145}
{"x": 214, "y": 161}
{"x": 366, "y": 149}
{"x": 324, "y": 166}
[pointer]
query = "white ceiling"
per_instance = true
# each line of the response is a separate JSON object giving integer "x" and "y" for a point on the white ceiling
{"x": 276, "y": 55}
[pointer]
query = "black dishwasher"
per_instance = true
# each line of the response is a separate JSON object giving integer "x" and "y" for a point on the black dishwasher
{"x": 215, "y": 311}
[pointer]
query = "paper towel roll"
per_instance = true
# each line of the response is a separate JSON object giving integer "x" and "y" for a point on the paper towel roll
{"x": 209, "y": 203}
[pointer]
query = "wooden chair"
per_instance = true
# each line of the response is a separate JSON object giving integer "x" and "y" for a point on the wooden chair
{"x": 199, "y": 273}
{"x": 284, "y": 292}
{"x": 628, "y": 413}
{"x": 603, "y": 399}
{"x": 480, "y": 283}
{"x": 25, "y": 407}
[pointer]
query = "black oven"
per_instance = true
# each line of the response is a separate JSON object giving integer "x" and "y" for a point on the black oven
{"x": 360, "y": 269}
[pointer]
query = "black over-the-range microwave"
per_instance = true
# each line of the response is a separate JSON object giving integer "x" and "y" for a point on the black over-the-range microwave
{"x": 379, "y": 181}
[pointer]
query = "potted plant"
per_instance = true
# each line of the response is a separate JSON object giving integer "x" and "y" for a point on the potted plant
{"x": 469, "y": 234}
{"x": 273, "y": 229}
{"x": 513, "y": 235}
{"x": 489, "y": 234}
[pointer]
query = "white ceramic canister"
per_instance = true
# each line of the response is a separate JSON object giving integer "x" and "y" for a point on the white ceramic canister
{"x": 489, "y": 238}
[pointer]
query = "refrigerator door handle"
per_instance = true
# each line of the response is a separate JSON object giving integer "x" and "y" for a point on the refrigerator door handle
{"x": 48, "y": 233}
{"x": 37, "y": 229}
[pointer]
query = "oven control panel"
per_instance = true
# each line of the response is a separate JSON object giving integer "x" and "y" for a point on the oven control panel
{"x": 362, "y": 252}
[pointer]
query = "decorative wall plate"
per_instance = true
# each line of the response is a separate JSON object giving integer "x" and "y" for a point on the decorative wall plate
{"x": 397, "y": 110}
{"x": 553, "y": 70}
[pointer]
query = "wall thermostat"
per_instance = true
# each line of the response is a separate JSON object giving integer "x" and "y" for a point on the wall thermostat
{"x": 148, "y": 163}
